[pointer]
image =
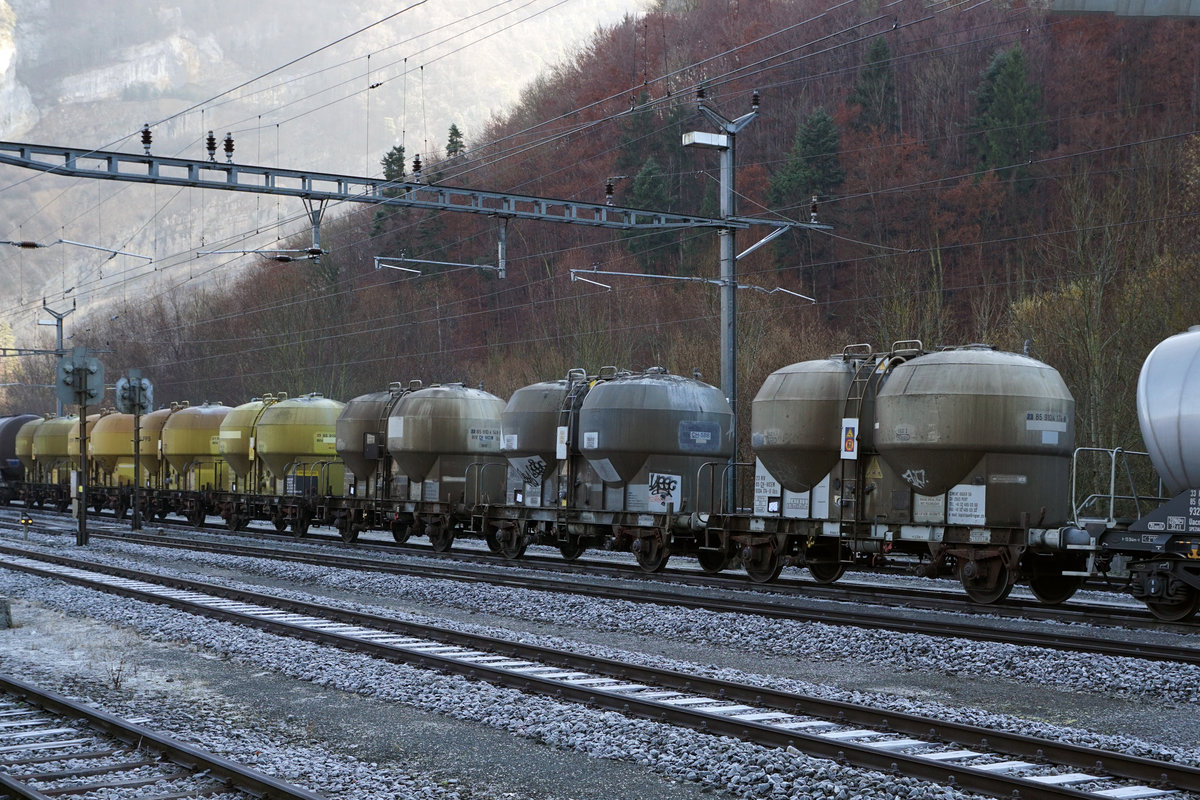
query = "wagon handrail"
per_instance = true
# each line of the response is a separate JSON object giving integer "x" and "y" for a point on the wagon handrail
{"x": 479, "y": 475}
{"x": 1118, "y": 467}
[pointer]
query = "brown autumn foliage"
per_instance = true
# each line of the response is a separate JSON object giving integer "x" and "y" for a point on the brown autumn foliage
{"x": 1061, "y": 247}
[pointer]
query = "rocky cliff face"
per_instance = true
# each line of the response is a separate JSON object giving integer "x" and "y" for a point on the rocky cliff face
{"x": 17, "y": 111}
{"x": 90, "y": 73}
{"x": 143, "y": 71}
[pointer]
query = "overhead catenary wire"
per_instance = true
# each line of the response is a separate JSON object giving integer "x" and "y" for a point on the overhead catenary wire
{"x": 293, "y": 62}
{"x": 943, "y": 179}
{"x": 201, "y": 104}
{"x": 389, "y": 323}
{"x": 686, "y": 323}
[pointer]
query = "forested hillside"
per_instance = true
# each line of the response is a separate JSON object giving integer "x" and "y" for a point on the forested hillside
{"x": 992, "y": 173}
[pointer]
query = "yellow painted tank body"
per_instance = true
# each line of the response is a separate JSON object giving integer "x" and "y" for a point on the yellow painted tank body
{"x": 191, "y": 444}
{"x": 297, "y": 440}
{"x": 111, "y": 441}
{"x": 237, "y": 436}
{"x": 110, "y": 444}
{"x": 238, "y": 444}
{"x": 25, "y": 443}
{"x": 50, "y": 444}
{"x": 73, "y": 436}
{"x": 152, "y": 452}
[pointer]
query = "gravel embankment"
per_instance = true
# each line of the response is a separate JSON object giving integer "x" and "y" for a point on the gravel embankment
{"x": 375, "y": 729}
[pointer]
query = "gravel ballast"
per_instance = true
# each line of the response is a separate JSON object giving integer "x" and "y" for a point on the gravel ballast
{"x": 430, "y": 729}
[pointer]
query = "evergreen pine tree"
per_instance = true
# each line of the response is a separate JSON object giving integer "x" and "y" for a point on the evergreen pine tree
{"x": 1007, "y": 127}
{"x": 454, "y": 142}
{"x": 812, "y": 168}
{"x": 875, "y": 90}
{"x": 393, "y": 170}
{"x": 637, "y": 136}
{"x": 652, "y": 191}
{"x": 393, "y": 167}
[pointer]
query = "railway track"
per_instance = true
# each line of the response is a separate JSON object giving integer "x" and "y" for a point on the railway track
{"x": 881, "y": 617}
{"x": 51, "y": 746}
{"x": 928, "y": 599}
{"x": 971, "y": 758}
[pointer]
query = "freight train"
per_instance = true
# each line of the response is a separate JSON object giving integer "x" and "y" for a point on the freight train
{"x": 961, "y": 460}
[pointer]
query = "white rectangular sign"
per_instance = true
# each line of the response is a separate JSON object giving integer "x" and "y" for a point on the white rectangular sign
{"x": 966, "y": 504}
{"x": 849, "y": 438}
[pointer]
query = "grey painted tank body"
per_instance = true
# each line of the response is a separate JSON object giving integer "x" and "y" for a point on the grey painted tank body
{"x": 362, "y": 431}
{"x": 938, "y": 415}
{"x": 449, "y": 438}
{"x": 530, "y": 424}
{"x": 1168, "y": 406}
{"x": 10, "y": 464}
{"x": 795, "y": 421}
{"x": 646, "y": 438}
{"x": 531, "y": 418}
{"x": 672, "y": 416}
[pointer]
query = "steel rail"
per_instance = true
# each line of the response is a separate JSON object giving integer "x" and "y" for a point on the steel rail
{"x": 1131, "y": 767}
{"x": 191, "y": 758}
{"x": 14, "y": 788}
{"x": 930, "y": 599}
{"x": 890, "y": 620}
{"x": 846, "y": 592}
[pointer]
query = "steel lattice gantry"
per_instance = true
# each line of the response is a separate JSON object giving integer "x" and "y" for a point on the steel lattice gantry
{"x": 318, "y": 188}
{"x": 322, "y": 187}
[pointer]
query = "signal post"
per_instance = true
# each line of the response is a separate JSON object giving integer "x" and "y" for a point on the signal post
{"x": 80, "y": 382}
{"x": 135, "y": 395}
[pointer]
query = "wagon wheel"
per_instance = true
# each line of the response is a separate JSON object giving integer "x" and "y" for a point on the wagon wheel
{"x": 196, "y": 515}
{"x": 512, "y": 542}
{"x": 987, "y": 581}
{"x": 489, "y": 538}
{"x": 401, "y": 531}
{"x": 714, "y": 561}
{"x": 825, "y": 571}
{"x": 1046, "y": 578}
{"x": 572, "y": 547}
{"x": 1178, "y": 610}
{"x": 280, "y": 522}
{"x": 1053, "y": 589}
{"x": 651, "y": 552}
{"x": 300, "y": 523}
{"x": 762, "y": 562}
{"x": 441, "y": 535}
{"x": 1184, "y": 602}
{"x": 348, "y": 529}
